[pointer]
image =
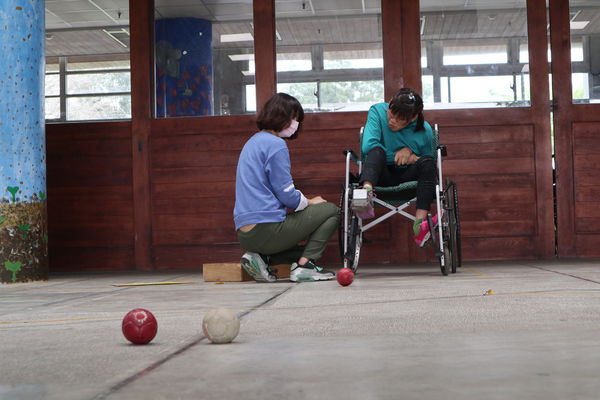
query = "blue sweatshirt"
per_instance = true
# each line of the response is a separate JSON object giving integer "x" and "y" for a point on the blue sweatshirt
{"x": 378, "y": 134}
{"x": 263, "y": 183}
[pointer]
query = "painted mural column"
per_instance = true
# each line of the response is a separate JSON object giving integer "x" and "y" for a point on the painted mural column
{"x": 23, "y": 220}
{"x": 183, "y": 67}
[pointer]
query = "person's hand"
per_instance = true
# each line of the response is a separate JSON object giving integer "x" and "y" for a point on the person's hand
{"x": 316, "y": 200}
{"x": 413, "y": 159}
{"x": 402, "y": 156}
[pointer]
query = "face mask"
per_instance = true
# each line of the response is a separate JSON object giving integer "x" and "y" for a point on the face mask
{"x": 290, "y": 130}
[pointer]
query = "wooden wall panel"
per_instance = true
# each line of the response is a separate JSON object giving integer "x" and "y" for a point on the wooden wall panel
{"x": 193, "y": 192}
{"x": 193, "y": 186}
{"x": 494, "y": 168}
{"x": 193, "y": 181}
{"x": 577, "y": 141}
{"x": 192, "y": 174}
{"x": 586, "y": 163}
{"x": 90, "y": 207}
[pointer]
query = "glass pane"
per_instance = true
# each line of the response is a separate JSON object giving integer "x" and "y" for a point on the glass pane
{"x": 581, "y": 86}
{"x": 576, "y": 52}
{"x": 74, "y": 65}
{"x": 52, "y": 85}
{"x": 101, "y": 107}
{"x": 476, "y": 54}
{"x": 342, "y": 56}
{"x": 92, "y": 36}
{"x": 585, "y": 50}
{"x": 352, "y": 58}
{"x": 294, "y": 60}
{"x": 251, "y": 98}
{"x": 204, "y": 57}
{"x": 335, "y": 96}
{"x": 481, "y": 89}
{"x": 427, "y": 83}
{"x": 51, "y": 67}
{"x": 469, "y": 52}
{"x": 52, "y": 110}
{"x": 108, "y": 82}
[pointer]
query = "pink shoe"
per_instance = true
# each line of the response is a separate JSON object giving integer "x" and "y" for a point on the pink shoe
{"x": 424, "y": 234}
{"x": 366, "y": 214}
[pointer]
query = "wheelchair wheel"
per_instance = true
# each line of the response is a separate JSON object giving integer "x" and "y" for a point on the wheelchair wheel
{"x": 458, "y": 244}
{"x": 449, "y": 258}
{"x": 453, "y": 224}
{"x": 351, "y": 256}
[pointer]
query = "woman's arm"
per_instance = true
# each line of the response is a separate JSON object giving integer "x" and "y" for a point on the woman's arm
{"x": 278, "y": 172}
{"x": 372, "y": 132}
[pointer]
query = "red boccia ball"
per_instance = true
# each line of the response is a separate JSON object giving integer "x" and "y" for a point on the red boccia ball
{"x": 345, "y": 276}
{"x": 139, "y": 326}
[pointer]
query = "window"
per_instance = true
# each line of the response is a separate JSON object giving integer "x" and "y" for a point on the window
{"x": 337, "y": 52}
{"x": 87, "y": 61}
{"x": 585, "y": 50}
{"x": 476, "y": 56}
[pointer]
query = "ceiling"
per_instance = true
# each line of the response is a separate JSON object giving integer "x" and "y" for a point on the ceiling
{"x": 77, "y": 27}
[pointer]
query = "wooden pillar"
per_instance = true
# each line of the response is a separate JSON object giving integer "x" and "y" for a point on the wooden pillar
{"x": 264, "y": 51}
{"x": 142, "y": 77}
{"x": 540, "y": 103}
{"x": 560, "y": 38}
{"x": 393, "y": 59}
{"x": 411, "y": 44}
{"x": 401, "y": 45}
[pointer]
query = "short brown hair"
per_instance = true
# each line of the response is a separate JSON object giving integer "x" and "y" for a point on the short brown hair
{"x": 278, "y": 112}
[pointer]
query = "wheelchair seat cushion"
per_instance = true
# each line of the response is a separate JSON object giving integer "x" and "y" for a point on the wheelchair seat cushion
{"x": 398, "y": 194}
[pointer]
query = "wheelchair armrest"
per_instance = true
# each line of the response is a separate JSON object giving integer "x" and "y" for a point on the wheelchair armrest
{"x": 443, "y": 149}
{"x": 353, "y": 155}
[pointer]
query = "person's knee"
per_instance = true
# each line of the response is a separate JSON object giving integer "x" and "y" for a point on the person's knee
{"x": 426, "y": 166}
{"x": 330, "y": 209}
{"x": 376, "y": 152}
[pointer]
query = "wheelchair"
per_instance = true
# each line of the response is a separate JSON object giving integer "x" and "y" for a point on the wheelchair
{"x": 445, "y": 236}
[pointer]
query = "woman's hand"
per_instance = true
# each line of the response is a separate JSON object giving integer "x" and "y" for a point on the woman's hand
{"x": 403, "y": 156}
{"x": 316, "y": 200}
{"x": 413, "y": 159}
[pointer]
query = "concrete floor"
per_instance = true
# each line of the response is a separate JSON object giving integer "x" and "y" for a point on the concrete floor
{"x": 395, "y": 333}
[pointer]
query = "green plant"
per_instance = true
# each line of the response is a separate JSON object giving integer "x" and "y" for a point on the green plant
{"x": 2, "y": 219}
{"x": 13, "y": 267}
{"x": 42, "y": 195}
{"x": 24, "y": 227}
{"x": 13, "y": 191}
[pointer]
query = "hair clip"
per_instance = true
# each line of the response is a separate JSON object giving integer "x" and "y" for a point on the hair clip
{"x": 411, "y": 97}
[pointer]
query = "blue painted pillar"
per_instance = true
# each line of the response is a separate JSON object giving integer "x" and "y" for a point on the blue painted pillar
{"x": 23, "y": 221}
{"x": 184, "y": 70}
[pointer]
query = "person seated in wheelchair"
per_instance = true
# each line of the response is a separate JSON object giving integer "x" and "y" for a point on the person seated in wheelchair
{"x": 397, "y": 147}
{"x": 264, "y": 189}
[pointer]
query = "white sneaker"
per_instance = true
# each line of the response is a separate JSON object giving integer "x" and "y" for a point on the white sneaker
{"x": 310, "y": 272}
{"x": 257, "y": 268}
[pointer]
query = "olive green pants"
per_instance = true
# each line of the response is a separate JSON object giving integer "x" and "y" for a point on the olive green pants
{"x": 279, "y": 240}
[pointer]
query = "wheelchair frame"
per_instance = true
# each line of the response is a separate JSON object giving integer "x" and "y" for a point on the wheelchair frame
{"x": 445, "y": 239}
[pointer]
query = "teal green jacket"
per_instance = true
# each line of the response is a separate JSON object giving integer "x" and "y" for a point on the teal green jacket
{"x": 378, "y": 134}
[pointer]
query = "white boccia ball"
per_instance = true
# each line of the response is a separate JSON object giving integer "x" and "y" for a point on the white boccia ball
{"x": 221, "y": 325}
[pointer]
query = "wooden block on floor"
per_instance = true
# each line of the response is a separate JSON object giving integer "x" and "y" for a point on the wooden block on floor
{"x": 233, "y": 272}
{"x": 283, "y": 270}
{"x": 224, "y": 272}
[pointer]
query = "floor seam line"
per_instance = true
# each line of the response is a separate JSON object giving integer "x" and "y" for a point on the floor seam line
{"x": 565, "y": 274}
{"x": 114, "y": 389}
